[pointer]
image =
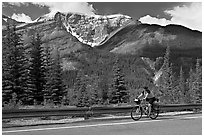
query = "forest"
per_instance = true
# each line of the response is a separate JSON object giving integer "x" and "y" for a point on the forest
{"x": 31, "y": 75}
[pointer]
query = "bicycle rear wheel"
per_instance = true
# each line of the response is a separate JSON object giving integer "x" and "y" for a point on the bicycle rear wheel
{"x": 136, "y": 113}
{"x": 154, "y": 112}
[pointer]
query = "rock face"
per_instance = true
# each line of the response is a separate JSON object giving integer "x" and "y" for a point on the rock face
{"x": 91, "y": 30}
{"x": 6, "y": 20}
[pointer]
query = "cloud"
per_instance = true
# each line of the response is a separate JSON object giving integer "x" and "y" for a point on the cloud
{"x": 188, "y": 15}
{"x": 154, "y": 20}
{"x": 18, "y": 3}
{"x": 79, "y": 7}
{"x": 21, "y": 18}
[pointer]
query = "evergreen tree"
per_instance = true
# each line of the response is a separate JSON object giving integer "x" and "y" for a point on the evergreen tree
{"x": 36, "y": 74}
{"x": 94, "y": 93}
{"x": 118, "y": 90}
{"x": 198, "y": 82}
{"x": 27, "y": 97}
{"x": 104, "y": 87}
{"x": 7, "y": 89}
{"x": 77, "y": 86}
{"x": 172, "y": 89}
{"x": 13, "y": 62}
{"x": 167, "y": 79}
{"x": 190, "y": 93}
{"x": 181, "y": 86}
{"x": 194, "y": 82}
{"x": 80, "y": 96}
{"x": 47, "y": 63}
{"x": 56, "y": 82}
{"x": 69, "y": 97}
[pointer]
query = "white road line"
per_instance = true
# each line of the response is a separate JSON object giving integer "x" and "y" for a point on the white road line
{"x": 193, "y": 117}
{"x": 83, "y": 126}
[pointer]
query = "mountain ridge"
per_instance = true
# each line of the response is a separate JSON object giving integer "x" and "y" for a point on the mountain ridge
{"x": 138, "y": 39}
{"x": 130, "y": 42}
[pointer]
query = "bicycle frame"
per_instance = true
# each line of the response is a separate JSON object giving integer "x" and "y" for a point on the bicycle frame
{"x": 144, "y": 107}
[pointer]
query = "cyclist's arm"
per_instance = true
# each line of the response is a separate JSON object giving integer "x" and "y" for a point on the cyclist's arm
{"x": 140, "y": 96}
{"x": 145, "y": 96}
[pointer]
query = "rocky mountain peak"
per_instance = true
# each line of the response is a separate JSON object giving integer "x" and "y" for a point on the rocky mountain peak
{"x": 92, "y": 30}
{"x": 8, "y": 20}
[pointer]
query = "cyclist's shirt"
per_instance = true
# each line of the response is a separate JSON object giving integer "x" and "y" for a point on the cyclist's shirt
{"x": 145, "y": 96}
{"x": 141, "y": 96}
{"x": 151, "y": 100}
{"x": 150, "y": 95}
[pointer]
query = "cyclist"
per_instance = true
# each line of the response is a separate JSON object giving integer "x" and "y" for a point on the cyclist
{"x": 148, "y": 96}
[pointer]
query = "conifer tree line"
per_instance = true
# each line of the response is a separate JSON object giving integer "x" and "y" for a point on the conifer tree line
{"x": 30, "y": 73}
{"x": 180, "y": 89}
{"x": 33, "y": 75}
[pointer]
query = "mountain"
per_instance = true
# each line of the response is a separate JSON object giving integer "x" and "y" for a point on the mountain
{"x": 90, "y": 29}
{"x": 6, "y": 20}
{"x": 91, "y": 43}
{"x": 121, "y": 34}
{"x": 151, "y": 41}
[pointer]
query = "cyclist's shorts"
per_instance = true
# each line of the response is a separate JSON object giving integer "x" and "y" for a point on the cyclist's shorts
{"x": 151, "y": 100}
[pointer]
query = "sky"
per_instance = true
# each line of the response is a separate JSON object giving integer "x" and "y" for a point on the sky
{"x": 188, "y": 14}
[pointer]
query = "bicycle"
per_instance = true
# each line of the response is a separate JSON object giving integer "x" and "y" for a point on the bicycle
{"x": 140, "y": 109}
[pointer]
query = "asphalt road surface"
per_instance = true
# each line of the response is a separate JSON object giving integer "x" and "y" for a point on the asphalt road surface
{"x": 169, "y": 125}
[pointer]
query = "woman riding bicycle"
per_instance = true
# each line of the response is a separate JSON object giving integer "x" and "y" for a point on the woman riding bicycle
{"x": 148, "y": 96}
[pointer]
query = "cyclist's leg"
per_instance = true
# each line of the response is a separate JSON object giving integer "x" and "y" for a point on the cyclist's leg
{"x": 149, "y": 108}
{"x": 150, "y": 105}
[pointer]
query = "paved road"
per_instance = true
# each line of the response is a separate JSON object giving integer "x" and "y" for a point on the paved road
{"x": 171, "y": 125}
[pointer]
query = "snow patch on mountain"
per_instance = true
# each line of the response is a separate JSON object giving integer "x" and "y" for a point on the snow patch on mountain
{"x": 90, "y": 29}
{"x": 94, "y": 29}
{"x": 46, "y": 17}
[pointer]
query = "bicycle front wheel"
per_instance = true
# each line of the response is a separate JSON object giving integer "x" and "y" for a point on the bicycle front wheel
{"x": 136, "y": 113}
{"x": 154, "y": 112}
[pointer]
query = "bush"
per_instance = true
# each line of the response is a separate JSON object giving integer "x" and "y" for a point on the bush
{"x": 49, "y": 104}
{"x": 13, "y": 103}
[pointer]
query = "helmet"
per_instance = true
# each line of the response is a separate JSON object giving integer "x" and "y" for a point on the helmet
{"x": 145, "y": 87}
